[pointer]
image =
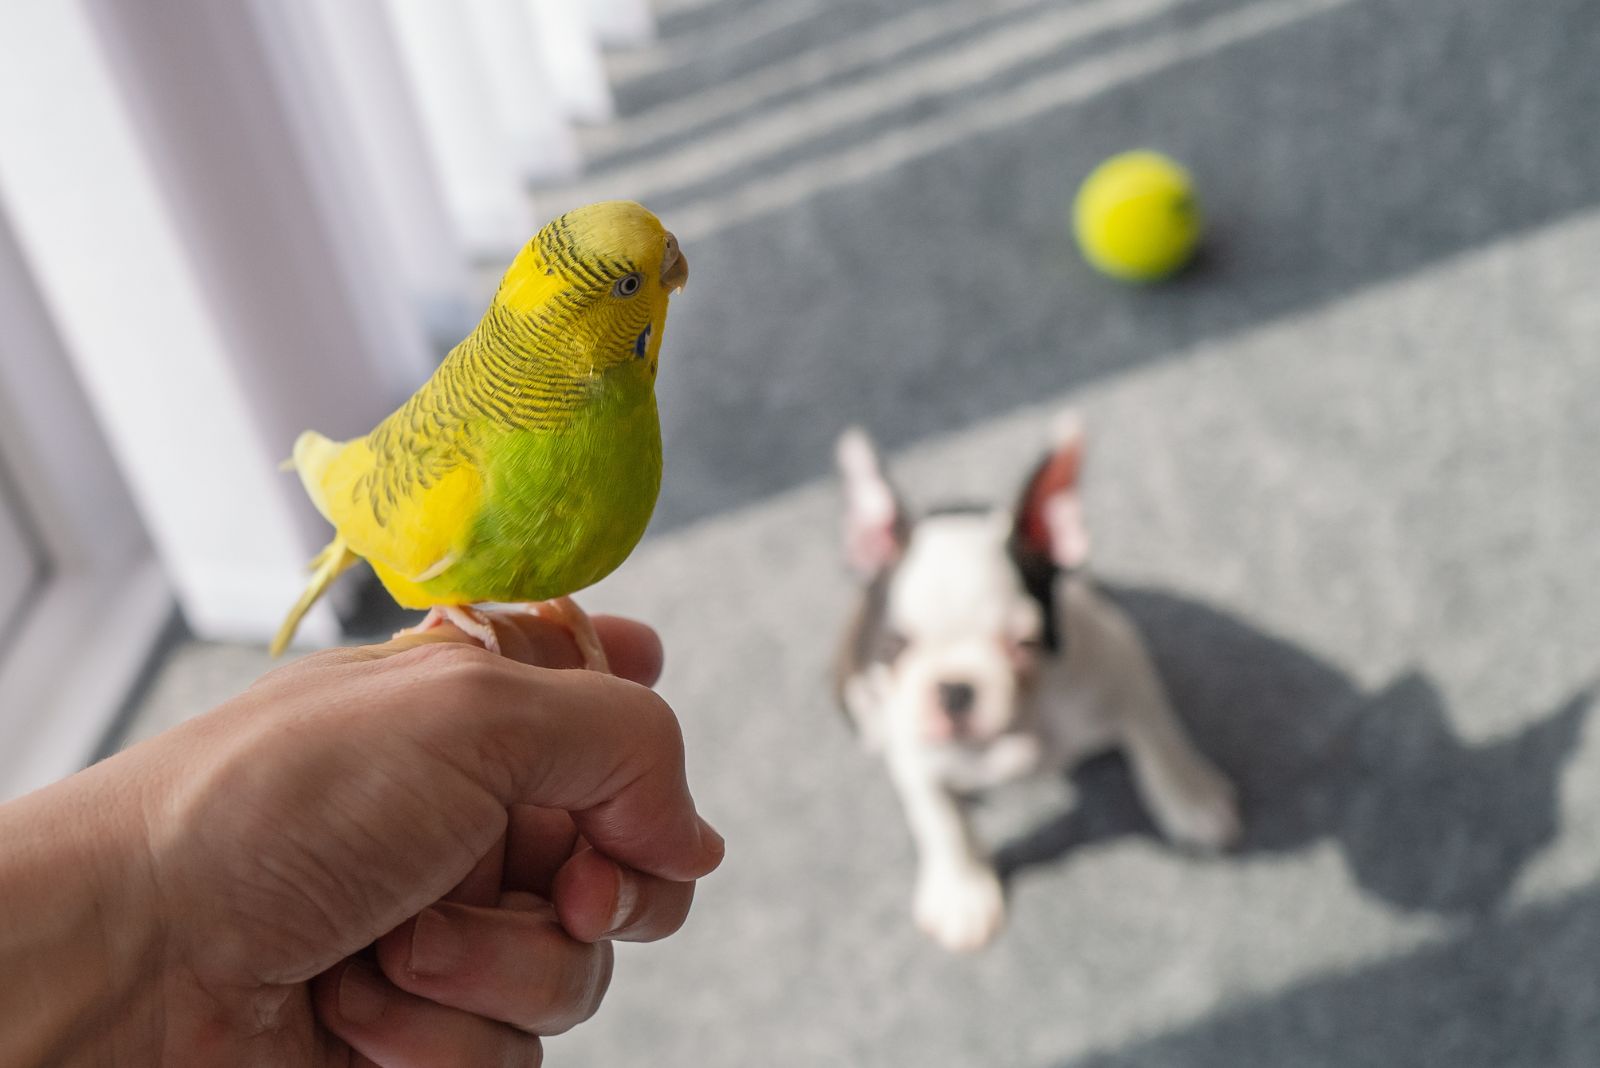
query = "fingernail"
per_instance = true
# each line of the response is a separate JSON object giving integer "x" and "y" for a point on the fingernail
{"x": 713, "y": 842}
{"x": 436, "y": 945}
{"x": 361, "y": 998}
{"x": 627, "y": 900}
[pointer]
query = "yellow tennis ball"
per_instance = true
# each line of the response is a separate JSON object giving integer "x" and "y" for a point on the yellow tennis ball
{"x": 1135, "y": 217}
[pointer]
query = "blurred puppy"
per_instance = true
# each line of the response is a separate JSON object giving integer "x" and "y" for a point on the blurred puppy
{"x": 980, "y": 653}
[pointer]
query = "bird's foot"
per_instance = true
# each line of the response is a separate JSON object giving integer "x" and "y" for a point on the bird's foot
{"x": 470, "y": 621}
{"x": 565, "y": 611}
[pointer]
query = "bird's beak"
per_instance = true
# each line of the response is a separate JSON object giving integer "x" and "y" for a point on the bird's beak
{"x": 674, "y": 267}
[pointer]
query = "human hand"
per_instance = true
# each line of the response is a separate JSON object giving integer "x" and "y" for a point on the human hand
{"x": 490, "y": 825}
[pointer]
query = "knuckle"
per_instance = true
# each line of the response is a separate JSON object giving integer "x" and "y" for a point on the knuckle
{"x": 568, "y": 996}
{"x": 295, "y": 672}
{"x": 677, "y": 914}
{"x": 658, "y": 722}
{"x": 528, "y": 1052}
{"x": 662, "y": 911}
{"x": 325, "y": 658}
{"x": 559, "y": 991}
{"x": 453, "y": 667}
{"x": 443, "y": 654}
{"x": 605, "y": 965}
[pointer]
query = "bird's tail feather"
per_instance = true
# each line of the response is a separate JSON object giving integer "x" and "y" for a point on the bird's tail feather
{"x": 334, "y": 559}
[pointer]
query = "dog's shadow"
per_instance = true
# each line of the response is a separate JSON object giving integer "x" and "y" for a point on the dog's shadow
{"x": 1424, "y": 820}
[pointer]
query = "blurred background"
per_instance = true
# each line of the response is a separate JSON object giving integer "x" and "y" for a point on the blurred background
{"x": 1343, "y": 470}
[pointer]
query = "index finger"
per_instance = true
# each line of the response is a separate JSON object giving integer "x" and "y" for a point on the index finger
{"x": 633, "y": 648}
{"x": 606, "y": 750}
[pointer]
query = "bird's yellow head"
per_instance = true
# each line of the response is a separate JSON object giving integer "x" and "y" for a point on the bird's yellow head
{"x": 598, "y": 278}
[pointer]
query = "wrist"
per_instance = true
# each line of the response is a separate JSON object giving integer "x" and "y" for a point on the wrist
{"x": 81, "y": 940}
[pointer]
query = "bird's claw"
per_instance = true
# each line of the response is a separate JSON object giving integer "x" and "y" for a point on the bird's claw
{"x": 470, "y": 621}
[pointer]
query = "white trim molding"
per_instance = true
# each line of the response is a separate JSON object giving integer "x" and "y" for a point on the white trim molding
{"x": 178, "y": 256}
{"x": 101, "y": 602}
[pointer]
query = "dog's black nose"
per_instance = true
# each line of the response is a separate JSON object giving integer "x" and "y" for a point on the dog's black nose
{"x": 956, "y": 698}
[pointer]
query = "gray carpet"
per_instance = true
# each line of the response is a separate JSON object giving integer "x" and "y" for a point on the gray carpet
{"x": 1343, "y": 472}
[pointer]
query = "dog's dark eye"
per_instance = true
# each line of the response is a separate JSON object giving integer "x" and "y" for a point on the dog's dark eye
{"x": 891, "y": 644}
{"x": 1026, "y": 651}
{"x": 627, "y": 285}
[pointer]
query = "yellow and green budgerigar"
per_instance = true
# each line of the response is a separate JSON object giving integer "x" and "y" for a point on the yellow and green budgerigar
{"x": 527, "y": 466}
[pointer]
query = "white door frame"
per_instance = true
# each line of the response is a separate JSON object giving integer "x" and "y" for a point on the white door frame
{"x": 208, "y": 277}
{"x": 100, "y": 606}
{"x": 19, "y": 559}
{"x": 195, "y": 287}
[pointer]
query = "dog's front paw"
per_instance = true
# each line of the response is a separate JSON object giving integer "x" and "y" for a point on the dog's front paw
{"x": 1201, "y": 810}
{"x": 961, "y": 906}
{"x": 1013, "y": 756}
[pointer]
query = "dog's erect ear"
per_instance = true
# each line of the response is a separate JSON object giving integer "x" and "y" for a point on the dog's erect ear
{"x": 875, "y": 524}
{"x": 1049, "y": 517}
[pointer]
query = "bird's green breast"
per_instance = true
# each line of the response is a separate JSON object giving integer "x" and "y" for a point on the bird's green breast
{"x": 563, "y": 506}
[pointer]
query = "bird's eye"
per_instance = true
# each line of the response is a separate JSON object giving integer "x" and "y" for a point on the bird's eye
{"x": 627, "y": 285}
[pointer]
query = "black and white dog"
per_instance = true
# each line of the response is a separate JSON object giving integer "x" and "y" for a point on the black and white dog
{"x": 979, "y": 653}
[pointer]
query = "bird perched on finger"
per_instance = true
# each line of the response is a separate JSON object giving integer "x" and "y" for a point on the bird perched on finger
{"x": 526, "y": 468}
